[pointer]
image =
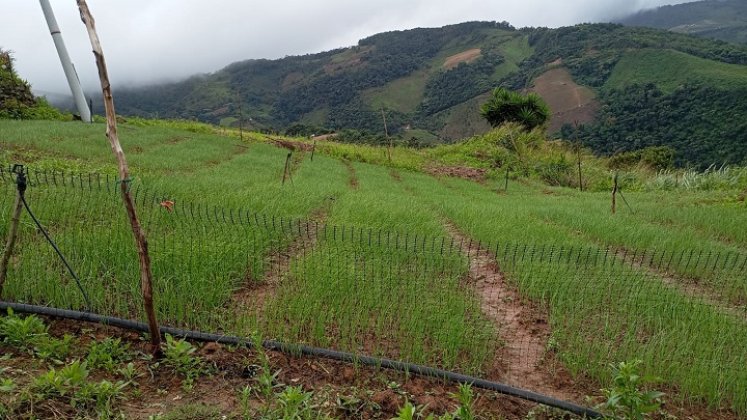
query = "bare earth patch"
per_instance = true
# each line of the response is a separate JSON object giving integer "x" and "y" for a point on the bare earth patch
{"x": 353, "y": 177}
{"x": 465, "y": 172}
{"x": 568, "y": 101}
{"x": 463, "y": 57}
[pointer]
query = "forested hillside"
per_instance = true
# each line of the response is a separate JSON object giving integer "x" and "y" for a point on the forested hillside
{"x": 721, "y": 19}
{"x": 429, "y": 84}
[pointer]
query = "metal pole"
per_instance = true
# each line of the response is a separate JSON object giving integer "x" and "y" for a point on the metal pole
{"x": 67, "y": 64}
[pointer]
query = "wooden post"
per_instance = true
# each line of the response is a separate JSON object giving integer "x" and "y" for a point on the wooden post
{"x": 241, "y": 119}
{"x": 146, "y": 276}
{"x": 313, "y": 149}
{"x": 386, "y": 132}
{"x": 286, "y": 171}
{"x": 12, "y": 234}
{"x": 508, "y": 170}
{"x": 614, "y": 193}
{"x": 578, "y": 152}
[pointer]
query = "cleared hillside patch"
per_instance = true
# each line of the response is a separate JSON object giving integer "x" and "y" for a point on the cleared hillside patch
{"x": 669, "y": 69}
{"x": 568, "y": 101}
{"x": 463, "y": 57}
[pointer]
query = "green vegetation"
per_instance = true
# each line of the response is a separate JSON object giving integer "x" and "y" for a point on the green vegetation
{"x": 505, "y": 106}
{"x": 16, "y": 99}
{"x": 403, "y": 73}
{"x": 368, "y": 274}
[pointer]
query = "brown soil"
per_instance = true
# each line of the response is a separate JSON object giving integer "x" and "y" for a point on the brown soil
{"x": 524, "y": 360}
{"x": 353, "y": 177}
{"x": 463, "y": 57}
{"x": 465, "y": 172}
{"x": 290, "y": 145}
{"x": 568, "y": 101}
{"x": 324, "y": 137}
{"x": 340, "y": 389}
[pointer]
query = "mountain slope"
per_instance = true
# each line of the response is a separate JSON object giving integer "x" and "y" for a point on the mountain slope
{"x": 721, "y": 19}
{"x": 431, "y": 82}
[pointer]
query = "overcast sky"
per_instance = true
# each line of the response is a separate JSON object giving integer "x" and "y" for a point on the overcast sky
{"x": 154, "y": 40}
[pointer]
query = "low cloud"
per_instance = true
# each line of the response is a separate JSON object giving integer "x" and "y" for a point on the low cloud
{"x": 148, "y": 41}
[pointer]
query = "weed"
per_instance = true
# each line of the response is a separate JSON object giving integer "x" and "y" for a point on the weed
{"x": 55, "y": 349}
{"x": 58, "y": 383}
{"x": 245, "y": 396}
{"x": 100, "y": 395}
{"x": 128, "y": 372}
{"x": 22, "y": 332}
{"x": 625, "y": 399}
{"x": 7, "y": 385}
{"x": 107, "y": 354}
{"x": 295, "y": 404}
{"x": 465, "y": 396}
{"x": 179, "y": 355}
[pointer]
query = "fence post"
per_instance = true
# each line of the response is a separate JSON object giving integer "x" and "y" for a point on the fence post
{"x": 14, "y": 221}
{"x": 614, "y": 193}
{"x": 286, "y": 171}
{"x": 146, "y": 276}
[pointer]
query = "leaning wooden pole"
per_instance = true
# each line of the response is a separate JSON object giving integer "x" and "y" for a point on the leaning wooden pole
{"x": 146, "y": 276}
{"x": 11, "y": 242}
{"x": 614, "y": 193}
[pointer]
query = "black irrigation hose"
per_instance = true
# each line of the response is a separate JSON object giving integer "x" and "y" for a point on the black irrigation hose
{"x": 21, "y": 183}
{"x": 310, "y": 351}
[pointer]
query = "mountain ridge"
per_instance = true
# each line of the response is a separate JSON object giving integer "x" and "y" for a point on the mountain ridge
{"x": 429, "y": 82}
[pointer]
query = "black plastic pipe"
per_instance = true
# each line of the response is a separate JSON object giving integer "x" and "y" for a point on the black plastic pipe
{"x": 310, "y": 351}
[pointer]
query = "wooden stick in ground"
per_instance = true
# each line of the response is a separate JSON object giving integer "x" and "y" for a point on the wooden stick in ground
{"x": 146, "y": 276}
{"x": 614, "y": 194}
{"x": 286, "y": 171}
{"x": 578, "y": 152}
{"x": 11, "y": 242}
{"x": 386, "y": 132}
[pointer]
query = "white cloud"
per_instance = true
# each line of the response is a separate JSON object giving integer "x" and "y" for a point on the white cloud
{"x": 154, "y": 40}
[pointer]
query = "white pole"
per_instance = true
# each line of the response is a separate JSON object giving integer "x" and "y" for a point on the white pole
{"x": 67, "y": 64}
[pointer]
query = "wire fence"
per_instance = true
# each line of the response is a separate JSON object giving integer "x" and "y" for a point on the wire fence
{"x": 507, "y": 310}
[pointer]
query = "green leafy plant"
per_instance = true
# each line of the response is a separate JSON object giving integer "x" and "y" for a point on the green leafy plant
{"x": 58, "y": 383}
{"x": 7, "y": 385}
{"x": 128, "y": 372}
{"x": 52, "y": 348}
{"x": 107, "y": 354}
{"x": 22, "y": 332}
{"x": 99, "y": 395}
{"x": 245, "y": 396}
{"x": 179, "y": 355}
{"x": 466, "y": 397}
{"x": 626, "y": 399}
{"x": 410, "y": 411}
{"x": 295, "y": 404}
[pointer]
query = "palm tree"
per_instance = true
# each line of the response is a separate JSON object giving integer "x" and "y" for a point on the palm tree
{"x": 507, "y": 106}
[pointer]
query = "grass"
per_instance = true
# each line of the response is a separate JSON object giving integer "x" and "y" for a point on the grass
{"x": 375, "y": 280}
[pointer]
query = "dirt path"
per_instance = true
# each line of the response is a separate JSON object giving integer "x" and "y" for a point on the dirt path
{"x": 687, "y": 287}
{"x": 353, "y": 177}
{"x": 253, "y": 295}
{"x": 523, "y": 361}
